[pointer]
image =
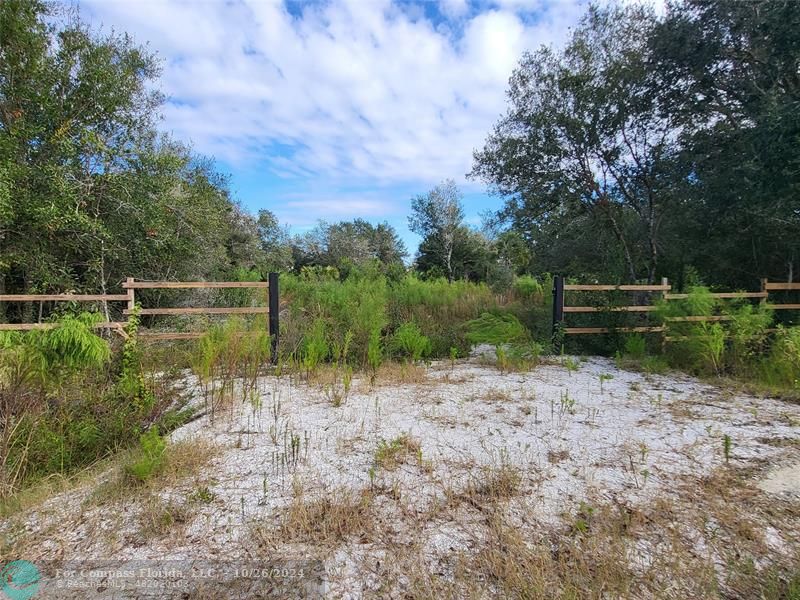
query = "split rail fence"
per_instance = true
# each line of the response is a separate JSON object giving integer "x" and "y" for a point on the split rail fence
{"x": 130, "y": 286}
{"x": 662, "y": 291}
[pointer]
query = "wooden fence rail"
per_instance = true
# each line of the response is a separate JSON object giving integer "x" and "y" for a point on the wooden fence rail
{"x": 131, "y": 285}
{"x": 560, "y": 308}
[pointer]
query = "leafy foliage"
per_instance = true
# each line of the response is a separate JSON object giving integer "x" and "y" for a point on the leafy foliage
{"x": 151, "y": 456}
{"x": 618, "y": 153}
{"x": 782, "y": 365}
{"x": 497, "y": 329}
{"x": 64, "y": 404}
{"x": 408, "y": 341}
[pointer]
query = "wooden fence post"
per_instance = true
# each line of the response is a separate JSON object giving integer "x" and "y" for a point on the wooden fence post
{"x": 131, "y": 294}
{"x": 764, "y": 290}
{"x": 274, "y": 309}
{"x": 664, "y": 294}
{"x": 558, "y": 302}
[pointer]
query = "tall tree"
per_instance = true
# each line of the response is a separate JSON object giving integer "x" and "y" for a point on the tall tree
{"x": 349, "y": 243}
{"x": 89, "y": 191}
{"x": 437, "y": 216}
{"x": 585, "y": 135}
{"x": 731, "y": 73}
{"x": 275, "y": 242}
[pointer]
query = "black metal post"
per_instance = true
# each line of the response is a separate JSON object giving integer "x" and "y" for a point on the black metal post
{"x": 558, "y": 302}
{"x": 274, "y": 310}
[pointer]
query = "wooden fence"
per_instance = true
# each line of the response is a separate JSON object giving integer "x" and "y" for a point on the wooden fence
{"x": 129, "y": 298}
{"x": 662, "y": 291}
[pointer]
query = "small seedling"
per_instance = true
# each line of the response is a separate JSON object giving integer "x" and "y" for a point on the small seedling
{"x": 645, "y": 475}
{"x": 643, "y": 450}
{"x": 727, "y": 447}
{"x": 570, "y": 364}
{"x": 503, "y": 362}
{"x": 567, "y": 404}
{"x": 603, "y": 378}
{"x": 202, "y": 495}
{"x": 583, "y": 518}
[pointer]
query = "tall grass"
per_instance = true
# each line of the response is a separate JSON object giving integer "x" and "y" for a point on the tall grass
{"x": 235, "y": 351}
{"x": 322, "y": 308}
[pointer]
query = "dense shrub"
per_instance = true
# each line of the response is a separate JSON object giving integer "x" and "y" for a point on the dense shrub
{"x": 323, "y": 306}
{"x": 150, "y": 456}
{"x": 782, "y": 365}
{"x": 64, "y": 403}
{"x": 409, "y": 342}
{"x": 497, "y": 330}
{"x": 732, "y": 344}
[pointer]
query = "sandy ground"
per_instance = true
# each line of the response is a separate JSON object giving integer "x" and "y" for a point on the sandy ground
{"x": 569, "y": 439}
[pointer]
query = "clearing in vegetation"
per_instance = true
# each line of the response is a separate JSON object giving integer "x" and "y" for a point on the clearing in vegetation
{"x": 568, "y": 480}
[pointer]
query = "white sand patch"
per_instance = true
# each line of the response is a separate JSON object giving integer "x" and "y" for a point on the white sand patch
{"x": 568, "y": 440}
{"x": 784, "y": 480}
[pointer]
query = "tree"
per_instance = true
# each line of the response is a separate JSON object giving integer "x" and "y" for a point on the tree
{"x": 275, "y": 242}
{"x": 585, "y": 136}
{"x": 730, "y": 73}
{"x": 89, "y": 191}
{"x": 437, "y": 217}
{"x": 349, "y": 243}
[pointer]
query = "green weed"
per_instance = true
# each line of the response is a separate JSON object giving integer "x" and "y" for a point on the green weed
{"x": 150, "y": 459}
{"x": 410, "y": 343}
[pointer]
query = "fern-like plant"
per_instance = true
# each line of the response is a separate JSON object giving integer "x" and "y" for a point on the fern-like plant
{"x": 410, "y": 342}
{"x": 316, "y": 347}
{"x": 496, "y": 330}
{"x": 374, "y": 353}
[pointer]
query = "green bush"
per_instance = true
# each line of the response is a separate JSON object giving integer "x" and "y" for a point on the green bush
{"x": 782, "y": 365}
{"x": 497, "y": 329}
{"x": 366, "y": 302}
{"x": 441, "y": 310}
{"x": 356, "y": 305}
{"x": 635, "y": 347}
{"x": 747, "y": 336}
{"x": 150, "y": 457}
{"x": 65, "y": 405}
{"x": 409, "y": 342}
{"x": 732, "y": 345}
{"x": 528, "y": 287}
{"x": 316, "y": 347}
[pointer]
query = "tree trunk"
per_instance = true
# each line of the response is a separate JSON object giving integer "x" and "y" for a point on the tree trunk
{"x": 450, "y": 263}
{"x": 626, "y": 250}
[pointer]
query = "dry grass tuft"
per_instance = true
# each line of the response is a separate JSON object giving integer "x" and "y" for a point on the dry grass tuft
{"x": 394, "y": 373}
{"x": 705, "y": 541}
{"x": 556, "y": 456}
{"x": 495, "y": 395}
{"x": 325, "y": 521}
{"x": 159, "y": 518}
{"x": 390, "y": 455}
{"x": 490, "y": 487}
{"x": 187, "y": 458}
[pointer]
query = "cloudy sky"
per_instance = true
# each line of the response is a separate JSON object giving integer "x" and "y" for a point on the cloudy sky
{"x": 338, "y": 109}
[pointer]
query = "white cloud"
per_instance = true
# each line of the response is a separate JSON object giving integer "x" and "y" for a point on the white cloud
{"x": 352, "y": 90}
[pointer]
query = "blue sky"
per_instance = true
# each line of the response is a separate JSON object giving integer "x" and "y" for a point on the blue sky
{"x": 339, "y": 109}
